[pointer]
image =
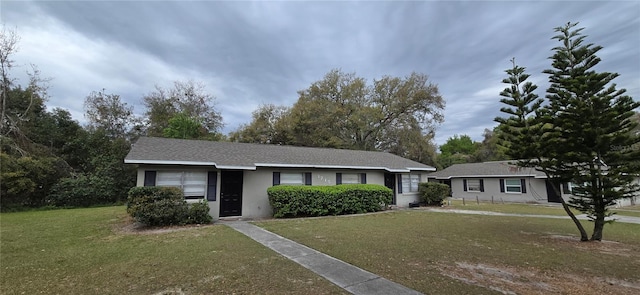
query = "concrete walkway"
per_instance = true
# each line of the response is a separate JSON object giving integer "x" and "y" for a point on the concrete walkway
{"x": 617, "y": 218}
{"x": 353, "y": 279}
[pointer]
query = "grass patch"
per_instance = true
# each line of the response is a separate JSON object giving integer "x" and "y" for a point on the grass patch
{"x": 628, "y": 211}
{"x": 532, "y": 209}
{"x": 87, "y": 251}
{"x": 516, "y": 208}
{"x": 470, "y": 254}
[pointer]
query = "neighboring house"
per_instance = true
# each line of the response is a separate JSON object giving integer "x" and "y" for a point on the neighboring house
{"x": 234, "y": 177}
{"x": 503, "y": 181}
{"x": 499, "y": 181}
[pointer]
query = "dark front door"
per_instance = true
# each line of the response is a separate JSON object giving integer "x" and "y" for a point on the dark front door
{"x": 231, "y": 193}
{"x": 390, "y": 182}
{"x": 552, "y": 195}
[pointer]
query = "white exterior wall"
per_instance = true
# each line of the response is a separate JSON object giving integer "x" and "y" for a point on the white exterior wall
{"x": 635, "y": 200}
{"x": 403, "y": 199}
{"x": 536, "y": 191}
{"x": 214, "y": 206}
{"x": 255, "y": 202}
{"x": 627, "y": 202}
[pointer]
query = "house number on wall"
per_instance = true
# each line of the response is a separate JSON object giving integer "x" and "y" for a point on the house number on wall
{"x": 323, "y": 179}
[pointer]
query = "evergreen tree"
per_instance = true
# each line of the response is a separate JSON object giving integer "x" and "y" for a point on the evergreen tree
{"x": 577, "y": 137}
{"x": 594, "y": 118}
{"x": 527, "y": 135}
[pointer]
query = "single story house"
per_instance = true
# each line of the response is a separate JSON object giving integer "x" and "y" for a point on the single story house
{"x": 499, "y": 181}
{"x": 503, "y": 181}
{"x": 234, "y": 177}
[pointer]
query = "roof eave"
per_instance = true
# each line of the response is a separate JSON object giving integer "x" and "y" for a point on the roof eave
{"x": 487, "y": 176}
{"x": 421, "y": 168}
{"x": 169, "y": 162}
{"x": 397, "y": 170}
{"x": 275, "y": 165}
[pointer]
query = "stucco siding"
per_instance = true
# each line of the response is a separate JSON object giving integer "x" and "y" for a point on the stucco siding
{"x": 403, "y": 199}
{"x": 255, "y": 201}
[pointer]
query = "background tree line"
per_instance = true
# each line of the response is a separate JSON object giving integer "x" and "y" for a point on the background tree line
{"x": 50, "y": 159}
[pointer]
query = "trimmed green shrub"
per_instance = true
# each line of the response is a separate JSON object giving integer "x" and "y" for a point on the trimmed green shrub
{"x": 433, "y": 193}
{"x": 199, "y": 213}
{"x": 160, "y": 206}
{"x": 296, "y": 201}
{"x": 157, "y": 206}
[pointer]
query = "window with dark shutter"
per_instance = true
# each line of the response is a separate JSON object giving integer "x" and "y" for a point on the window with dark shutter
{"x": 501, "y": 185}
{"x": 513, "y": 185}
{"x": 338, "y": 178}
{"x": 482, "y": 185}
{"x": 212, "y": 182}
{"x": 464, "y": 184}
{"x": 150, "y": 178}
{"x": 399, "y": 183}
{"x": 473, "y": 185}
{"x": 523, "y": 183}
{"x": 307, "y": 178}
{"x": 276, "y": 178}
{"x": 363, "y": 178}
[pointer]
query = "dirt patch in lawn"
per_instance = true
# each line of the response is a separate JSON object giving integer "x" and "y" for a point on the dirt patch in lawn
{"x": 531, "y": 280}
{"x": 514, "y": 280}
{"x": 604, "y": 247}
{"x": 129, "y": 226}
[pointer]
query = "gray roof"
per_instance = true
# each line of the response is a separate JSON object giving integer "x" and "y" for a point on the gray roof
{"x": 486, "y": 169}
{"x": 233, "y": 155}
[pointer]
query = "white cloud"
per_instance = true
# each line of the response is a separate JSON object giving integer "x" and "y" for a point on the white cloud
{"x": 80, "y": 65}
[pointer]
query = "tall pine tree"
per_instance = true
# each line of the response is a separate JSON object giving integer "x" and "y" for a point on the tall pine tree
{"x": 528, "y": 136}
{"x": 582, "y": 135}
{"x": 594, "y": 118}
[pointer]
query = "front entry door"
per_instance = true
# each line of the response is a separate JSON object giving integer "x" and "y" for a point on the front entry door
{"x": 390, "y": 182}
{"x": 552, "y": 195}
{"x": 231, "y": 193}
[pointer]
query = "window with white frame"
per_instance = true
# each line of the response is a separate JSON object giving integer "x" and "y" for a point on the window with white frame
{"x": 292, "y": 178}
{"x": 513, "y": 186}
{"x": 410, "y": 182}
{"x": 351, "y": 178}
{"x": 193, "y": 184}
{"x": 473, "y": 185}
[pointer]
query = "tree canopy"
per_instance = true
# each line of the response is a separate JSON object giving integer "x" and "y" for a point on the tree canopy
{"x": 184, "y": 99}
{"x": 394, "y": 114}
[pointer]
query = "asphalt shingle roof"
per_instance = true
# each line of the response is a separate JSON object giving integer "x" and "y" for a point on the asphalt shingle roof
{"x": 488, "y": 169}
{"x": 227, "y": 155}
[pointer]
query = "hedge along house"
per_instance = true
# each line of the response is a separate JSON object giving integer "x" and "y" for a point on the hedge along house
{"x": 234, "y": 177}
{"x": 499, "y": 181}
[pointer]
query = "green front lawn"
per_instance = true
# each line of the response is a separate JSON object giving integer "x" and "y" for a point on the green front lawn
{"x": 91, "y": 251}
{"x": 628, "y": 211}
{"x": 442, "y": 253}
{"x": 533, "y": 209}
{"x": 516, "y": 208}
{"x": 95, "y": 251}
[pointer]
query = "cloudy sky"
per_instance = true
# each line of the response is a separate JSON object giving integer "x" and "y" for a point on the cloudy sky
{"x": 251, "y": 53}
